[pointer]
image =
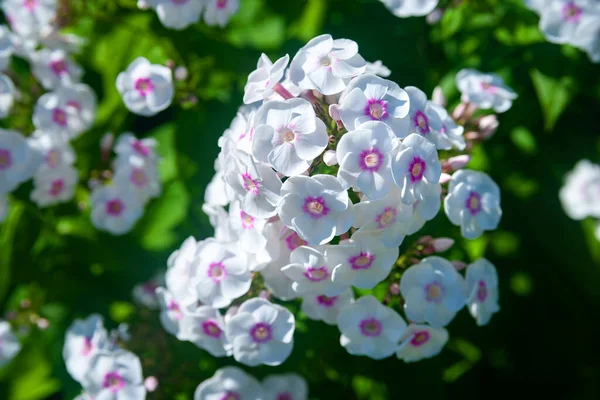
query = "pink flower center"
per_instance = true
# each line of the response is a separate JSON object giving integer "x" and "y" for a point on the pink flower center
{"x": 419, "y": 338}
{"x": 370, "y": 327}
{"x": 87, "y": 346}
{"x": 571, "y": 13}
{"x": 316, "y": 274}
{"x": 261, "y": 332}
{"x": 284, "y": 396}
{"x": 473, "y": 203}
{"x": 287, "y": 135}
{"x": 139, "y": 147}
{"x": 138, "y": 177}
{"x": 231, "y": 396}
{"x": 59, "y": 116}
{"x": 175, "y": 309}
{"x": 481, "y": 291}
{"x": 327, "y": 301}
{"x": 488, "y": 87}
{"x": 5, "y": 159}
{"x": 221, "y": 4}
{"x": 30, "y": 4}
{"x": 113, "y": 382}
{"x": 363, "y": 260}
{"x": 249, "y": 184}
{"x": 53, "y": 158}
{"x": 376, "y": 109}
{"x": 370, "y": 160}
{"x": 115, "y": 207}
{"x": 143, "y": 86}
{"x": 247, "y": 220}
{"x": 421, "y": 122}
{"x": 417, "y": 169}
{"x": 56, "y": 187}
{"x": 59, "y": 67}
{"x": 315, "y": 207}
{"x": 179, "y": 2}
{"x": 217, "y": 271}
{"x": 434, "y": 292}
{"x": 210, "y": 328}
{"x": 386, "y": 218}
{"x": 294, "y": 241}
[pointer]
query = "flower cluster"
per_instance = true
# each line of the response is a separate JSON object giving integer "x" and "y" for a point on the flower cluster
{"x": 94, "y": 359}
{"x": 575, "y": 22}
{"x": 321, "y": 176}
{"x": 179, "y": 14}
{"x": 580, "y": 195}
{"x": 233, "y": 383}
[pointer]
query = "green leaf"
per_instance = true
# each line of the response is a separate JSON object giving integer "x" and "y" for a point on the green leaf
{"x": 524, "y": 140}
{"x": 7, "y": 236}
{"x": 452, "y": 21}
{"x": 121, "y": 311}
{"x": 310, "y": 22}
{"x": 554, "y": 96}
{"x": 367, "y": 388}
{"x": 165, "y": 136}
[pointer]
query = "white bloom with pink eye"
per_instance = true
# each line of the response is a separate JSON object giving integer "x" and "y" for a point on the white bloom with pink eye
{"x": 326, "y": 65}
{"x": 147, "y": 89}
{"x": 580, "y": 195}
{"x": 84, "y": 339}
{"x": 326, "y": 308}
{"x": 219, "y": 12}
{"x": 482, "y": 289}
{"x": 362, "y": 261}
{"x": 229, "y": 383}
{"x": 371, "y": 98}
{"x": 7, "y": 95}
{"x": 247, "y": 229}
{"x": 426, "y": 209}
{"x": 317, "y": 208}
{"x": 172, "y": 313}
{"x": 410, "y": 8}
{"x": 222, "y": 273}
{"x": 181, "y": 271}
{"x": 416, "y": 169}
{"x": 311, "y": 272}
{"x": 205, "y": 327}
{"x": 115, "y": 375}
{"x": 284, "y": 387}
{"x": 53, "y": 186}
{"x": 144, "y": 293}
{"x": 129, "y": 147}
{"x": 587, "y": 38}
{"x": 450, "y": 134}
{"x": 257, "y": 185}
{"x": 484, "y": 91}
{"x": 9, "y": 344}
{"x": 69, "y": 111}
{"x": 388, "y": 217}
{"x": 262, "y": 80}
{"x": 560, "y": 19}
{"x": 240, "y": 132}
{"x": 261, "y": 333}
{"x": 4, "y": 207}
{"x": 433, "y": 291}
{"x": 54, "y": 149}
{"x": 18, "y": 160}
{"x": 365, "y": 157}
{"x": 421, "y": 341}
{"x": 177, "y": 14}
{"x": 473, "y": 203}
{"x": 115, "y": 208}
{"x": 142, "y": 178}
{"x": 424, "y": 120}
{"x": 6, "y": 47}
{"x": 288, "y": 135}
{"x": 28, "y": 17}
{"x": 370, "y": 329}
{"x": 54, "y": 68}
{"x": 377, "y": 68}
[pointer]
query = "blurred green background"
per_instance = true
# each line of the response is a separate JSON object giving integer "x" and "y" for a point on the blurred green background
{"x": 549, "y": 266}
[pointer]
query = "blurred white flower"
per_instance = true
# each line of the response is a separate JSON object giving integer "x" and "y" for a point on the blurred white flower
{"x": 54, "y": 68}
{"x": 7, "y": 95}
{"x": 115, "y": 375}
{"x": 18, "y": 160}
{"x": 421, "y": 341}
{"x": 326, "y": 308}
{"x": 482, "y": 289}
{"x": 84, "y": 339}
{"x": 219, "y": 12}
{"x": 115, "y": 208}
{"x": 9, "y": 344}
{"x": 484, "y": 90}
{"x": 410, "y": 8}
{"x": 580, "y": 195}
{"x": 53, "y": 186}
{"x": 177, "y": 14}
{"x": 284, "y": 387}
{"x": 229, "y": 383}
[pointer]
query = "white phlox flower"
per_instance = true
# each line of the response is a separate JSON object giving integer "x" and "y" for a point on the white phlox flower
{"x": 240, "y": 132}
{"x": 326, "y": 308}
{"x": 421, "y": 341}
{"x": 312, "y": 273}
{"x": 377, "y": 68}
{"x": 560, "y": 19}
{"x": 219, "y": 12}
{"x": 115, "y": 375}
{"x": 115, "y": 208}
{"x": 84, "y": 339}
{"x": 144, "y": 293}
{"x": 28, "y": 17}
{"x": 53, "y": 186}
{"x": 54, "y": 68}
{"x": 580, "y": 195}
{"x": 285, "y": 387}
{"x": 229, "y": 383}
{"x": 54, "y": 149}
{"x": 262, "y": 80}
{"x": 424, "y": 119}
{"x": 128, "y": 146}
{"x": 482, "y": 289}
{"x": 178, "y": 14}
{"x": 142, "y": 178}
{"x": 172, "y": 313}
{"x": 248, "y": 229}
{"x": 181, "y": 270}
{"x": 205, "y": 327}
{"x": 6, "y": 47}
{"x": 484, "y": 90}
{"x": 450, "y": 134}
{"x": 18, "y": 160}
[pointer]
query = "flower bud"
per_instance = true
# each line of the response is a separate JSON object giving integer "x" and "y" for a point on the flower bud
{"x": 151, "y": 383}
{"x": 438, "y": 96}
{"x": 442, "y": 244}
{"x": 42, "y": 323}
{"x": 395, "y": 289}
{"x": 329, "y": 158}
{"x": 106, "y": 144}
{"x": 435, "y": 16}
{"x": 459, "y": 265}
{"x": 445, "y": 178}
{"x": 488, "y": 125}
{"x": 458, "y": 162}
{"x": 181, "y": 73}
{"x": 170, "y": 63}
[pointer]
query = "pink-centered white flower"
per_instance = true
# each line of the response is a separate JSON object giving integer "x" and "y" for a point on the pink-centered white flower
{"x": 320, "y": 307}
{"x": 28, "y": 17}
{"x": 84, "y": 339}
{"x": 115, "y": 208}
{"x": 142, "y": 178}
{"x": 284, "y": 387}
{"x": 312, "y": 273}
{"x": 205, "y": 327}
{"x": 450, "y": 134}
{"x": 128, "y": 147}
{"x": 146, "y": 88}
{"x": 53, "y": 186}
{"x": 369, "y": 328}
{"x": 326, "y": 65}
{"x": 288, "y": 135}
{"x": 229, "y": 383}
{"x": 262, "y": 80}
{"x": 54, "y": 68}
{"x": 560, "y": 19}
{"x": 473, "y": 203}
{"x": 248, "y": 229}
{"x": 580, "y": 195}
{"x": 362, "y": 261}
{"x": 115, "y": 375}
{"x": 54, "y": 149}
{"x": 424, "y": 119}
{"x": 433, "y": 291}
{"x": 317, "y": 208}
{"x": 421, "y": 341}
{"x": 7, "y": 95}
{"x": 9, "y": 344}
{"x": 261, "y": 333}
{"x": 219, "y": 12}
{"x": 365, "y": 157}
{"x": 410, "y": 8}
{"x": 371, "y": 98}
{"x": 180, "y": 272}
{"x": 482, "y": 289}
{"x": 18, "y": 160}
{"x": 173, "y": 313}
{"x": 178, "y": 14}
{"x": 222, "y": 273}
{"x": 484, "y": 90}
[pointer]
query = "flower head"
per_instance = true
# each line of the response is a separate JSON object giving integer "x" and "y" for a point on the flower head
{"x": 320, "y": 307}
{"x": 262, "y": 80}
{"x": 421, "y": 341}
{"x": 83, "y": 340}
{"x": 229, "y": 383}
{"x": 482, "y": 289}
{"x": 485, "y": 90}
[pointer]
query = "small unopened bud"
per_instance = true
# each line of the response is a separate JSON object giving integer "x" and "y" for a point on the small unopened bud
{"x": 458, "y": 162}
{"x": 459, "y": 265}
{"x": 488, "y": 125}
{"x": 170, "y": 63}
{"x": 438, "y": 96}
{"x": 442, "y": 244}
{"x": 143, "y": 4}
{"x": 106, "y": 144}
{"x": 151, "y": 383}
{"x": 425, "y": 240}
{"x": 459, "y": 110}
{"x": 472, "y": 135}
{"x": 330, "y": 158}
{"x": 414, "y": 261}
{"x": 435, "y": 16}
{"x": 25, "y": 303}
{"x": 42, "y": 323}
{"x": 395, "y": 289}
{"x": 445, "y": 178}
{"x": 180, "y": 73}
{"x": 264, "y": 294}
